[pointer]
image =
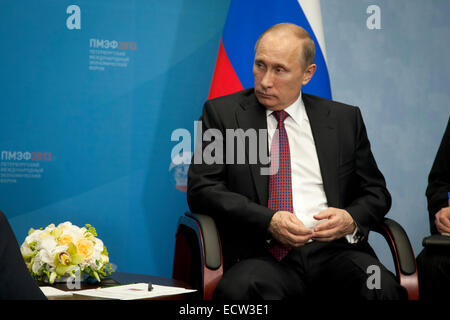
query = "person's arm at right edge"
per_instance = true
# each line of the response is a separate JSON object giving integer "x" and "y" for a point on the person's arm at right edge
{"x": 439, "y": 186}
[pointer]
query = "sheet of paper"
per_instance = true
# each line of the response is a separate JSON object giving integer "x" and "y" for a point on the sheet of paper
{"x": 132, "y": 292}
{"x": 53, "y": 292}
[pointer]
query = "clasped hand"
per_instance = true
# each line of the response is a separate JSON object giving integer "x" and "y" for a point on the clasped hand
{"x": 442, "y": 220}
{"x": 288, "y": 230}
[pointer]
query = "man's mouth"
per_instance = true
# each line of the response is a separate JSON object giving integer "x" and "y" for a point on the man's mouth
{"x": 264, "y": 95}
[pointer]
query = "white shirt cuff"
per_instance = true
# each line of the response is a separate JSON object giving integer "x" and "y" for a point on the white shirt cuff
{"x": 353, "y": 238}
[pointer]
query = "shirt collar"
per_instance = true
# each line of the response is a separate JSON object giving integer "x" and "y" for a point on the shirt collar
{"x": 296, "y": 110}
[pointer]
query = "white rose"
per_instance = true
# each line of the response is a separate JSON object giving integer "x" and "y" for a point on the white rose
{"x": 44, "y": 256}
{"x": 25, "y": 250}
{"x": 74, "y": 232}
{"x": 47, "y": 244}
{"x": 50, "y": 227}
{"x": 33, "y": 237}
{"x": 98, "y": 245}
{"x": 37, "y": 264}
{"x": 65, "y": 225}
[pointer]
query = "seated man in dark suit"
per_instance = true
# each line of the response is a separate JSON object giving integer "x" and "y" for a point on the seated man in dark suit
{"x": 299, "y": 229}
{"x": 16, "y": 282}
{"x": 434, "y": 263}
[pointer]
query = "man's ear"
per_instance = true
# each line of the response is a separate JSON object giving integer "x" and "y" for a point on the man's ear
{"x": 308, "y": 74}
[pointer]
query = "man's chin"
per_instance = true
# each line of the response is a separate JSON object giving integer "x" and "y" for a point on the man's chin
{"x": 270, "y": 105}
{"x": 268, "y": 102}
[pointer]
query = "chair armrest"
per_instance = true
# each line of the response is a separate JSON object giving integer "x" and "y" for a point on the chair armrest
{"x": 403, "y": 255}
{"x": 198, "y": 253}
{"x": 436, "y": 241}
{"x": 212, "y": 251}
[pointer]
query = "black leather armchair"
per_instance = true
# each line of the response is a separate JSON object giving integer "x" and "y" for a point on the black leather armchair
{"x": 198, "y": 254}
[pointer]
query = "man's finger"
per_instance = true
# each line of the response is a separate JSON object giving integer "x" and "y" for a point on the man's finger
{"x": 443, "y": 220}
{"x": 323, "y": 234}
{"x": 441, "y": 228}
{"x": 298, "y": 230}
{"x": 296, "y": 227}
{"x": 322, "y": 215}
{"x": 328, "y": 239}
{"x": 293, "y": 240}
{"x": 324, "y": 238}
{"x": 330, "y": 224}
{"x": 296, "y": 241}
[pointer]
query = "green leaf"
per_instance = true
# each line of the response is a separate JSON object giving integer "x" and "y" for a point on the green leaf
{"x": 91, "y": 230}
{"x": 96, "y": 276}
{"x": 33, "y": 245}
{"x": 52, "y": 277}
{"x": 61, "y": 269}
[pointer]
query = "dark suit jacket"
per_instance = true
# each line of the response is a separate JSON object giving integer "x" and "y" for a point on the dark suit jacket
{"x": 16, "y": 282}
{"x": 439, "y": 180}
{"x": 235, "y": 195}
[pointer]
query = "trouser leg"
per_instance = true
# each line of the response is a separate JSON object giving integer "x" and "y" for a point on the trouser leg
{"x": 260, "y": 278}
{"x": 334, "y": 270}
{"x": 434, "y": 273}
{"x": 341, "y": 270}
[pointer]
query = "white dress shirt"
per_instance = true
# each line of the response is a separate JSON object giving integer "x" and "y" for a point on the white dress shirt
{"x": 308, "y": 195}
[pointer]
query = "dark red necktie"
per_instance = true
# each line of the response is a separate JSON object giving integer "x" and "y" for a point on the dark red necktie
{"x": 280, "y": 182}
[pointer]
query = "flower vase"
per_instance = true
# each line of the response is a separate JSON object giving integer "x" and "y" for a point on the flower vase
{"x": 79, "y": 277}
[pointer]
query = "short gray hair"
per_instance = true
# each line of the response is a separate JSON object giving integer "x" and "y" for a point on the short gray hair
{"x": 309, "y": 48}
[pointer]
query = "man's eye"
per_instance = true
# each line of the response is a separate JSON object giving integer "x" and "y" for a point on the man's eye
{"x": 279, "y": 70}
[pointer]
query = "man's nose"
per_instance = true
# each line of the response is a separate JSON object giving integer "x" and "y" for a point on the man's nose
{"x": 267, "y": 80}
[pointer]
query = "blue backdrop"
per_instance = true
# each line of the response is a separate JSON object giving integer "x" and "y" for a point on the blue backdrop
{"x": 399, "y": 75}
{"x": 87, "y": 114}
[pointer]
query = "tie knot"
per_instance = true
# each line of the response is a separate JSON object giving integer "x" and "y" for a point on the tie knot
{"x": 280, "y": 115}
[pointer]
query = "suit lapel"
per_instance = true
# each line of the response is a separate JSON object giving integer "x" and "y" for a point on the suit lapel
{"x": 252, "y": 115}
{"x": 325, "y": 137}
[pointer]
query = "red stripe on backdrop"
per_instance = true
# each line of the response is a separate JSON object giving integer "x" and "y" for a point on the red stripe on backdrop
{"x": 225, "y": 80}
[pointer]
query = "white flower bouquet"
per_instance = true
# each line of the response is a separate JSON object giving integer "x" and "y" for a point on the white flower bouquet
{"x": 65, "y": 251}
